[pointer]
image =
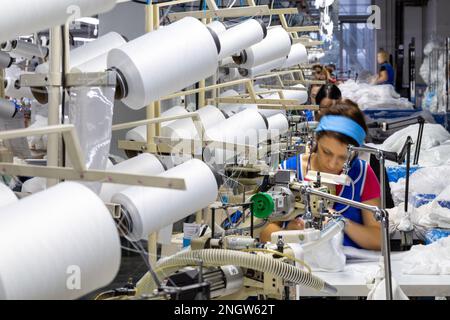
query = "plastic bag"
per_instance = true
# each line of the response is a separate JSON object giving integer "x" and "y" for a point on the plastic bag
{"x": 441, "y": 208}
{"x": 434, "y": 235}
{"x": 433, "y": 135}
{"x": 91, "y": 112}
{"x": 424, "y": 183}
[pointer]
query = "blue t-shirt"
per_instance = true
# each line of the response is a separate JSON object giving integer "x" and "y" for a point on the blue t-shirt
{"x": 390, "y": 71}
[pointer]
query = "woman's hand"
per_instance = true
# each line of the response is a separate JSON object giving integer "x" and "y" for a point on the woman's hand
{"x": 296, "y": 224}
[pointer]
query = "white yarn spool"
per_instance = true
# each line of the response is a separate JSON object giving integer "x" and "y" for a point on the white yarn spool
{"x": 300, "y": 95}
{"x": 145, "y": 164}
{"x": 164, "y": 61}
{"x": 97, "y": 64}
{"x": 182, "y": 128}
{"x": 151, "y": 209}
{"x": 276, "y": 44}
{"x": 7, "y": 197}
{"x": 297, "y": 55}
{"x": 229, "y": 93}
{"x": 246, "y": 127}
{"x": 22, "y": 17}
{"x": 217, "y": 26}
{"x": 230, "y": 109}
{"x": 242, "y": 124}
{"x": 278, "y": 124}
{"x": 241, "y": 36}
{"x": 7, "y": 109}
{"x": 138, "y": 134}
{"x": 210, "y": 116}
{"x": 262, "y": 68}
{"x": 61, "y": 243}
{"x": 91, "y": 56}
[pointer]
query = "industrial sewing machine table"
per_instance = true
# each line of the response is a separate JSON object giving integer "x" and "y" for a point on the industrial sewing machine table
{"x": 352, "y": 282}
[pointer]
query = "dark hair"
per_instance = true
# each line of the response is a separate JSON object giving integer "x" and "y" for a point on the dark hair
{"x": 349, "y": 109}
{"x": 331, "y": 92}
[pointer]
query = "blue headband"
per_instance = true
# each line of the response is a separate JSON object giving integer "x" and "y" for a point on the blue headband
{"x": 342, "y": 125}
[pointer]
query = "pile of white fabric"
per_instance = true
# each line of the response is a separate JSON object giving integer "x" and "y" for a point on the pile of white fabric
{"x": 433, "y": 259}
{"x": 369, "y": 96}
{"x": 434, "y": 150}
{"x": 425, "y": 181}
{"x": 440, "y": 209}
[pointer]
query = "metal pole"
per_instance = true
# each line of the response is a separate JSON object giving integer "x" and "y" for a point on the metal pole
{"x": 54, "y": 98}
{"x": 382, "y": 181}
{"x": 408, "y": 165}
{"x": 419, "y": 142}
{"x": 386, "y": 249}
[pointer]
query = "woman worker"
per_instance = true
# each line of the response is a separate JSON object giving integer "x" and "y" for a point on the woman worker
{"x": 340, "y": 126}
{"x": 320, "y": 74}
{"x": 386, "y": 75}
{"x": 328, "y": 96}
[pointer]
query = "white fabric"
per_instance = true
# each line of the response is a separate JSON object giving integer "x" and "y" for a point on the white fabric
{"x": 433, "y": 135}
{"x": 362, "y": 255}
{"x": 373, "y": 96}
{"x": 433, "y": 259}
{"x": 328, "y": 256}
{"x": 440, "y": 205}
{"x": 377, "y": 284}
{"x": 430, "y": 180}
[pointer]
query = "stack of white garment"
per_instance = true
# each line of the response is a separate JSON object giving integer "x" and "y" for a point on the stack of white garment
{"x": 433, "y": 135}
{"x": 425, "y": 181}
{"x": 374, "y": 96}
{"x": 433, "y": 259}
{"x": 420, "y": 217}
{"x": 440, "y": 209}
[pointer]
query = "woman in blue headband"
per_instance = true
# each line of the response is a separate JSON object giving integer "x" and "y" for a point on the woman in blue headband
{"x": 341, "y": 125}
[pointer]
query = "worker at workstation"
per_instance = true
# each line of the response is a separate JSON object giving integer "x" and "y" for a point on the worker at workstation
{"x": 386, "y": 74}
{"x": 341, "y": 125}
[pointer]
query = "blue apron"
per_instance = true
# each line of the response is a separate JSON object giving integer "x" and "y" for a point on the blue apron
{"x": 357, "y": 173}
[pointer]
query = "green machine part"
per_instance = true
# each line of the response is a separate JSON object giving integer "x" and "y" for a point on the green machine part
{"x": 262, "y": 205}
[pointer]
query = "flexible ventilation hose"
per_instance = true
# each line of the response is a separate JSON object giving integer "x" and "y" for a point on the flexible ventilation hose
{"x": 220, "y": 257}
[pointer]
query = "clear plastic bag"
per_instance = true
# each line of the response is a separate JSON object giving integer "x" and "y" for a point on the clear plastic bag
{"x": 91, "y": 112}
